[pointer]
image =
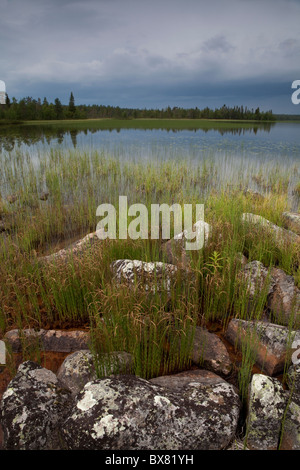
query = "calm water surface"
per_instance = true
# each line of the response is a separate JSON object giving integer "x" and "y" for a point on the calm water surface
{"x": 237, "y": 150}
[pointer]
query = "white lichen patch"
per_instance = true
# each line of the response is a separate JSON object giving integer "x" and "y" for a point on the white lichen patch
{"x": 163, "y": 402}
{"x": 269, "y": 393}
{"x": 108, "y": 425}
{"x": 87, "y": 402}
{"x": 21, "y": 419}
{"x": 8, "y": 392}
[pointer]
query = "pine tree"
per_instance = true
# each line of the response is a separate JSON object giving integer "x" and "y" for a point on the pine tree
{"x": 72, "y": 107}
{"x": 58, "y": 108}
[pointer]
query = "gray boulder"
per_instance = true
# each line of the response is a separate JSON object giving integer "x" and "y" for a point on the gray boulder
{"x": 291, "y": 427}
{"x": 293, "y": 379}
{"x": 266, "y": 406}
{"x": 153, "y": 276}
{"x": 257, "y": 278}
{"x": 127, "y": 412}
{"x": 32, "y": 409}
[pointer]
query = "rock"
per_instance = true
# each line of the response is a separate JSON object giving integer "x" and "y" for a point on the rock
{"x": 48, "y": 340}
{"x": 282, "y": 295}
{"x": 266, "y": 406}
{"x": 269, "y": 342}
{"x": 32, "y": 409}
{"x": 75, "y": 249}
{"x": 257, "y": 278}
{"x": 174, "y": 250}
{"x": 284, "y": 300}
{"x": 210, "y": 352}
{"x": 127, "y": 412}
{"x": 281, "y": 235}
{"x": 293, "y": 379}
{"x": 79, "y": 368}
{"x": 291, "y": 428}
{"x": 76, "y": 370}
{"x": 65, "y": 341}
{"x": 179, "y": 381}
{"x": 293, "y": 220}
{"x": 291, "y": 423}
{"x": 153, "y": 276}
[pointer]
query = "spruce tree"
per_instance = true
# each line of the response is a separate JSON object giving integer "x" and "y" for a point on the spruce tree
{"x": 72, "y": 107}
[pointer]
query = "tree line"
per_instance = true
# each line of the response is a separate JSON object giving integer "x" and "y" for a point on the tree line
{"x": 30, "y": 109}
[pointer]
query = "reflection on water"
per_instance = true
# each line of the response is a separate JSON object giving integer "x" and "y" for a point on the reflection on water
{"x": 15, "y": 136}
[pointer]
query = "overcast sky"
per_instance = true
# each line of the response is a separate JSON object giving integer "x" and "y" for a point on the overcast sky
{"x": 139, "y": 53}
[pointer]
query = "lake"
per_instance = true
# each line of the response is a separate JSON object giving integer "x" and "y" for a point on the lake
{"x": 242, "y": 151}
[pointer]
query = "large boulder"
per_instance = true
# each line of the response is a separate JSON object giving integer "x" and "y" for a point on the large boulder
{"x": 32, "y": 409}
{"x": 127, "y": 412}
{"x": 266, "y": 405}
{"x": 270, "y": 343}
{"x": 152, "y": 276}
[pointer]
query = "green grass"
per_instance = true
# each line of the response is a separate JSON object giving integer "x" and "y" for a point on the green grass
{"x": 176, "y": 124}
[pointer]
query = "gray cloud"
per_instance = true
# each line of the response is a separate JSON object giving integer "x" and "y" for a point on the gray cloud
{"x": 128, "y": 51}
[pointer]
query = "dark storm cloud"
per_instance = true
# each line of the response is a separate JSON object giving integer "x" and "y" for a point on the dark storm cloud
{"x": 142, "y": 53}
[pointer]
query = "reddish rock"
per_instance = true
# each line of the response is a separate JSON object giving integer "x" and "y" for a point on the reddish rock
{"x": 269, "y": 342}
